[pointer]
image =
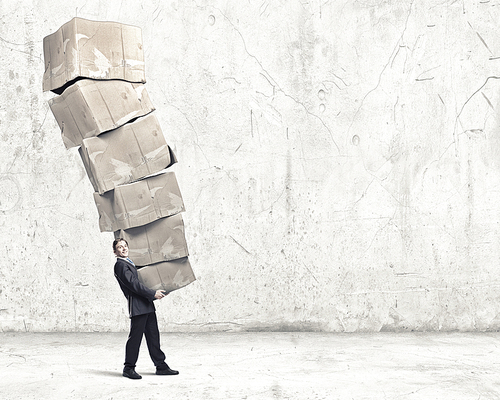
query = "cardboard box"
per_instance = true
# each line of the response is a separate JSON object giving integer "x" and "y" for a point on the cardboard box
{"x": 161, "y": 240}
{"x": 126, "y": 154}
{"x": 139, "y": 203}
{"x": 92, "y": 49}
{"x": 167, "y": 276}
{"x": 88, "y": 108}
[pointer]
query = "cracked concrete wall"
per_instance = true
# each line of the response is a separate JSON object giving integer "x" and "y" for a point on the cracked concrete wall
{"x": 339, "y": 162}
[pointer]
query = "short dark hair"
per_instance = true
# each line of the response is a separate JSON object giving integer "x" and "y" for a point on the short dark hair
{"x": 116, "y": 242}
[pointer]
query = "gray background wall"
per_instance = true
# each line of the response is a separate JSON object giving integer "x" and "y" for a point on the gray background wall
{"x": 339, "y": 162}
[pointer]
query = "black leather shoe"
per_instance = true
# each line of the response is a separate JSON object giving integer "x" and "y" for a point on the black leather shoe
{"x": 165, "y": 370}
{"x": 130, "y": 373}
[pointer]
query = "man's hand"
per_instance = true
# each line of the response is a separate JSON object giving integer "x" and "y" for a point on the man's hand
{"x": 160, "y": 294}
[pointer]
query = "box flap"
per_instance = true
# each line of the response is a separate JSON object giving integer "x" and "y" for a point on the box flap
{"x": 139, "y": 203}
{"x": 161, "y": 240}
{"x": 167, "y": 276}
{"x": 92, "y": 49}
{"x": 126, "y": 154}
{"x": 89, "y": 108}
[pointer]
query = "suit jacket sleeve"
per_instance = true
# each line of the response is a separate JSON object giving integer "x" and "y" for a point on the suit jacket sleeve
{"x": 131, "y": 282}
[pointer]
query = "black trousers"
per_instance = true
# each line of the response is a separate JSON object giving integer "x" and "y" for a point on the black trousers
{"x": 147, "y": 325}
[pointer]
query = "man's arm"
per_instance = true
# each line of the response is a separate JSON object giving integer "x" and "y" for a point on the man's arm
{"x": 130, "y": 281}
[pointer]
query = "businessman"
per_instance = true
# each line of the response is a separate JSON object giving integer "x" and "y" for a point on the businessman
{"x": 142, "y": 314}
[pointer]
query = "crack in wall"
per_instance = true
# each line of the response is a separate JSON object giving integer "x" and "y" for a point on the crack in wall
{"x": 273, "y": 82}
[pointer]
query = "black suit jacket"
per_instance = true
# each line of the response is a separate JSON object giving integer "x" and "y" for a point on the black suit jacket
{"x": 140, "y": 298}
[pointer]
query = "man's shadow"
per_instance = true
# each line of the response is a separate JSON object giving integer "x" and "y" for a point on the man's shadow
{"x": 106, "y": 373}
{"x": 116, "y": 373}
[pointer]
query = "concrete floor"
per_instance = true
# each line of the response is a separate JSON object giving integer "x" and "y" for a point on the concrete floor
{"x": 255, "y": 366}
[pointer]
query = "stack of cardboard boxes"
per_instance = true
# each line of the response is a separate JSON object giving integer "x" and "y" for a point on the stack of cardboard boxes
{"x": 97, "y": 71}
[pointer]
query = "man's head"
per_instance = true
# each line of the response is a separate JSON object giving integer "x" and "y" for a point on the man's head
{"x": 120, "y": 247}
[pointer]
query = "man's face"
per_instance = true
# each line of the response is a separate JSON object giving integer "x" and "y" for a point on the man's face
{"x": 121, "y": 249}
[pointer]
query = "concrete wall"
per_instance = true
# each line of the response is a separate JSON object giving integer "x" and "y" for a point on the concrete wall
{"x": 339, "y": 162}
